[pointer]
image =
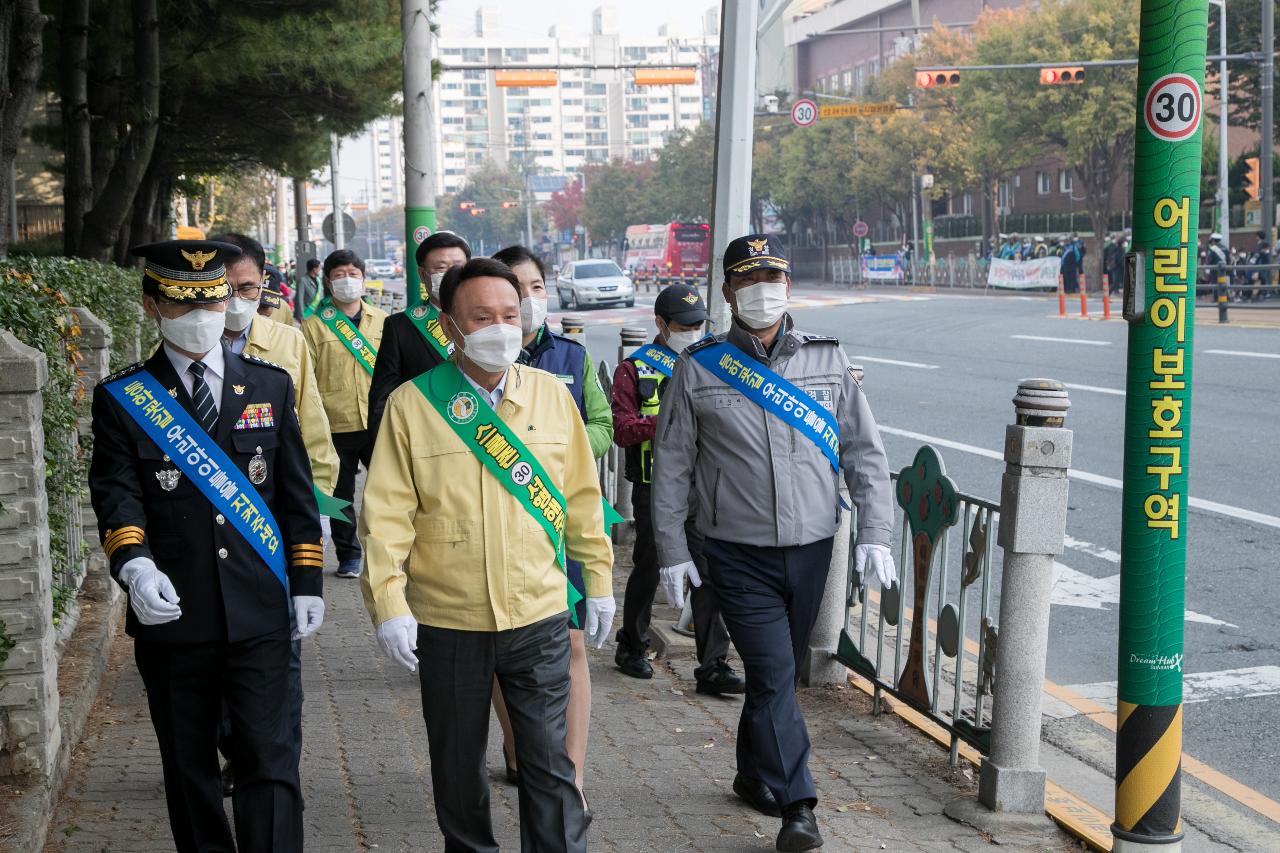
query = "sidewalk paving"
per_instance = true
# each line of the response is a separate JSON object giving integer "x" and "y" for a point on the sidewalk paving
{"x": 658, "y": 776}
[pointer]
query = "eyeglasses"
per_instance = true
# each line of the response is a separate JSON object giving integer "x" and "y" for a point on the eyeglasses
{"x": 248, "y": 291}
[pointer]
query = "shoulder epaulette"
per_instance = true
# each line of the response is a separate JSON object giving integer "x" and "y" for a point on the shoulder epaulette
{"x": 133, "y": 368}
{"x": 705, "y": 342}
{"x": 253, "y": 359}
{"x": 806, "y": 338}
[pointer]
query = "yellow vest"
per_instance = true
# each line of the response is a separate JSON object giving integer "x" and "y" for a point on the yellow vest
{"x": 344, "y": 383}
{"x": 285, "y": 346}
{"x": 445, "y": 542}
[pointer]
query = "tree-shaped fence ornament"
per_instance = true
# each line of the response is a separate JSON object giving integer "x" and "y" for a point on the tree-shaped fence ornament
{"x": 930, "y": 505}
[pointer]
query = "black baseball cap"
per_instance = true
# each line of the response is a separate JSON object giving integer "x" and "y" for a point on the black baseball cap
{"x": 681, "y": 303}
{"x": 272, "y": 287}
{"x": 753, "y": 252}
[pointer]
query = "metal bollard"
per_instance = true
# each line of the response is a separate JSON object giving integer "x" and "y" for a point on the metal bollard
{"x": 1033, "y": 513}
{"x": 573, "y": 325}
{"x": 1221, "y": 295}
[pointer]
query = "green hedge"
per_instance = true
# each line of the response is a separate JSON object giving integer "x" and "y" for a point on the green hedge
{"x": 36, "y": 296}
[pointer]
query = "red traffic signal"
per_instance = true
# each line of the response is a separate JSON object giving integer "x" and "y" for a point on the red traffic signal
{"x": 477, "y": 211}
{"x": 1062, "y": 76}
{"x": 937, "y": 79}
{"x": 508, "y": 205}
{"x": 466, "y": 205}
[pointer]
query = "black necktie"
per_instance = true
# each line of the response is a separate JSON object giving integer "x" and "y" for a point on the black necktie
{"x": 206, "y": 410}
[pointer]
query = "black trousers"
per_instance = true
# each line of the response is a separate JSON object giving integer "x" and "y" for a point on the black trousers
{"x": 770, "y": 599}
{"x": 637, "y": 604}
{"x": 187, "y": 684}
{"x": 354, "y": 449}
{"x": 295, "y": 709}
{"x": 456, "y": 669}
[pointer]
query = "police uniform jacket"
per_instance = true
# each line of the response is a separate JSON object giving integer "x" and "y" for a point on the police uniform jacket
{"x": 285, "y": 346}
{"x": 226, "y": 591}
{"x": 757, "y": 480}
{"x": 344, "y": 382}
{"x": 404, "y": 354}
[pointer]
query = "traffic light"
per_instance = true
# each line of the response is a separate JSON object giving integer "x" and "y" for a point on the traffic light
{"x": 937, "y": 79}
{"x": 466, "y": 205}
{"x": 508, "y": 205}
{"x": 1062, "y": 76}
{"x": 1252, "y": 178}
{"x": 477, "y": 211}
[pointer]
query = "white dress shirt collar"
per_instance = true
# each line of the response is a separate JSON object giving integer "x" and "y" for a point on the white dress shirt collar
{"x": 214, "y": 370}
{"x": 493, "y": 397}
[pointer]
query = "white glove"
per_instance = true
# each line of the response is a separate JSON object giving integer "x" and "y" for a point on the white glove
{"x": 398, "y": 637}
{"x": 151, "y": 594}
{"x": 880, "y": 559}
{"x": 308, "y": 615}
{"x": 673, "y": 582}
{"x": 600, "y": 620}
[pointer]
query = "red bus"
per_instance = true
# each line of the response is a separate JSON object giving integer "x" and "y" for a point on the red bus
{"x": 676, "y": 249}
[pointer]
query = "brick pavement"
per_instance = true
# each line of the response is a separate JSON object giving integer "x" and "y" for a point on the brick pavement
{"x": 660, "y": 766}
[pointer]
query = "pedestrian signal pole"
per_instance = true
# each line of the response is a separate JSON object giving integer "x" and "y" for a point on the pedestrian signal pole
{"x": 419, "y": 142}
{"x": 1159, "y": 305}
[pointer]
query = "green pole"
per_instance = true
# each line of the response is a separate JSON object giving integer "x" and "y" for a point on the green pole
{"x": 1160, "y": 309}
{"x": 419, "y": 224}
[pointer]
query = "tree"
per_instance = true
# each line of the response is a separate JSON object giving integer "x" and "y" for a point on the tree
{"x": 21, "y": 52}
{"x": 612, "y": 200}
{"x": 564, "y": 209}
{"x": 487, "y": 187}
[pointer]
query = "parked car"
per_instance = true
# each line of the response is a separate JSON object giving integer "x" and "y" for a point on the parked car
{"x": 380, "y": 268}
{"x": 594, "y": 282}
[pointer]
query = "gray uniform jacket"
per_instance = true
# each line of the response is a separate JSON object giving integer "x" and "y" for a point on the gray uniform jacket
{"x": 757, "y": 480}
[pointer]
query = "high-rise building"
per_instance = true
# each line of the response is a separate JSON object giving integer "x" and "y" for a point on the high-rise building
{"x": 591, "y": 116}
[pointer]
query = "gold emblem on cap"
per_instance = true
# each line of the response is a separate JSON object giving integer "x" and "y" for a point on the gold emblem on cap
{"x": 756, "y": 246}
{"x": 198, "y": 259}
{"x": 691, "y": 298}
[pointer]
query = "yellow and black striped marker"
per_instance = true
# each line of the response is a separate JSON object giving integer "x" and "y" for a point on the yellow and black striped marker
{"x": 1148, "y": 773}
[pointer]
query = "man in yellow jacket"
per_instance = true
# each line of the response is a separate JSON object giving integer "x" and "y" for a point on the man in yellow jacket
{"x": 344, "y": 335}
{"x": 484, "y": 483}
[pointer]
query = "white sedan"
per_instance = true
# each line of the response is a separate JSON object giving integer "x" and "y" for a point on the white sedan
{"x": 588, "y": 283}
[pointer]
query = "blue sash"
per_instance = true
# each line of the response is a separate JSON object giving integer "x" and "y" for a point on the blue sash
{"x": 660, "y": 358}
{"x": 174, "y": 431}
{"x": 774, "y": 394}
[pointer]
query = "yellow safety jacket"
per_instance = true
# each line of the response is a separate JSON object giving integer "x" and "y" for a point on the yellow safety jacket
{"x": 344, "y": 382}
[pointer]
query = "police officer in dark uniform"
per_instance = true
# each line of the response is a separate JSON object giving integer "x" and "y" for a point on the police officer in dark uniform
{"x": 638, "y": 385}
{"x": 213, "y": 563}
{"x": 759, "y": 425}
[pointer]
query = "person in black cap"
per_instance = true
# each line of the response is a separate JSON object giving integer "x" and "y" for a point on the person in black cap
{"x": 272, "y": 298}
{"x": 638, "y": 385}
{"x": 203, "y": 494}
{"x": 757, "y": 427}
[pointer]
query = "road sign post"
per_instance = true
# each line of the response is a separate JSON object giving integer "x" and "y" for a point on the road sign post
{"x": 1159, "y": 305}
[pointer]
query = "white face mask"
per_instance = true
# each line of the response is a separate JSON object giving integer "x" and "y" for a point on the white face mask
{"x": 196, "y": 331}
{"x": 347, "y": 289}
{"x": 240, "y": 313}
{"x": 493, "y": 348}
{"x": 762, "y": 304}
{"x": 678, "y": 342}
{"x": 533, "y": 311}
{"x": 436, "y": 278}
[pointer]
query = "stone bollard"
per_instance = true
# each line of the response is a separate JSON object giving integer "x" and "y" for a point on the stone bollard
{"x": 95, "y": 365}
{"x": 1033, "y": 520}
{"x": 29, "y": 730}
{"x": 631, "y": 338}
{"x": 820, "y": 666}
{"x": 573, "y": 326}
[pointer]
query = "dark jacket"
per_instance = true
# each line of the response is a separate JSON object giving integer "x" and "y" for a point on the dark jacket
{"x": 403, "y": 354}
{"x": 232, "y": 597}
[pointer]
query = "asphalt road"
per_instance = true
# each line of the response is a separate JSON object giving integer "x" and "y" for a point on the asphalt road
{"x": 945, "y": 368}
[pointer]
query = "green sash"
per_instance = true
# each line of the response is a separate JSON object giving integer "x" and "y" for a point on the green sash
{"x": 338, "y": 323}
{"x": 310, "y": 307}
{"x": 426, "y": 319}
{"x": 502, "y": 454}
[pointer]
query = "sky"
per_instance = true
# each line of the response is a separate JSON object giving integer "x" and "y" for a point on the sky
{"x": 533, "y": 17}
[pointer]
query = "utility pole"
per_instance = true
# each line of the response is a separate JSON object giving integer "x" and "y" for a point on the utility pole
{"x": 1266, "y": 89}
{"x": 419, "y": 141}
{"x": 735, "y": 110}
{"x": 282, "y": 220}
{"x": 339, "y": 239}
{"x": 1224, "y": 88}
{"x": 1160, "y": 313}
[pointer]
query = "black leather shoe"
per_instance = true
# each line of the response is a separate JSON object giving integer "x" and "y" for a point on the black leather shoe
{"x": 723, "y": 680}
{"x": 633, "y": 664}
{"x": 799, "y": 829}
{"x": 756, "y": 794}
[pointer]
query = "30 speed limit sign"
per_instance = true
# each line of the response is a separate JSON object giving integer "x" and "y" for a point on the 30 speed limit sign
{"x": 1172, "y": 108}
{"x": 804, "y": 112}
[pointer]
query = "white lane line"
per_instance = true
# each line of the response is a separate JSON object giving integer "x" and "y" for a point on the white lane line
{"x": 1249, "y": 682}
{"x": 1062, "y": 340}
{"x": 1092, "y": 550}
{"x": 1076, "y": 589}
{"x": 1243, "y": 353}
{"x": 1096, "y": 479}
{"x": 895, "y": 361}
{"x": 1094, "y": 388}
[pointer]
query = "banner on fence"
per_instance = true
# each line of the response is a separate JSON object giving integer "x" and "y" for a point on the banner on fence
{"x": 881, "y": 267}
{"x": 1042, "y": 272}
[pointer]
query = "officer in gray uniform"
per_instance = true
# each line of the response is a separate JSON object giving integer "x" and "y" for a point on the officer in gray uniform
{"x": 755, "y": 422}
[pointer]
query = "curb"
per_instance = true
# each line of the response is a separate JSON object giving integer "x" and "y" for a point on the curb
{"x": 25, "y": 818}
